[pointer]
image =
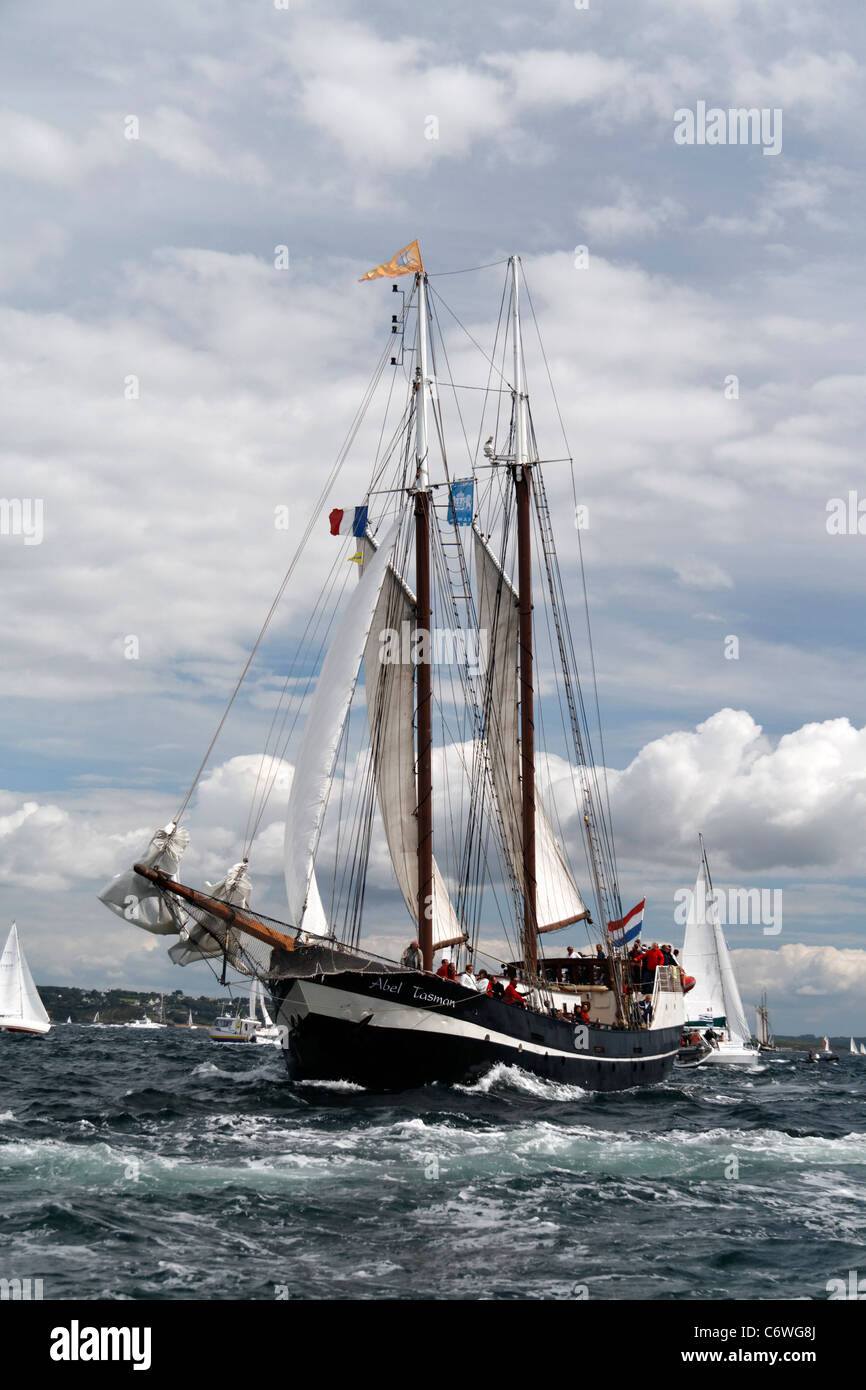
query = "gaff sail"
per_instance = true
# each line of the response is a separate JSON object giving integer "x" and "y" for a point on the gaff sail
{"x": 558, "y": 901}
{"x": 390, "y": 692}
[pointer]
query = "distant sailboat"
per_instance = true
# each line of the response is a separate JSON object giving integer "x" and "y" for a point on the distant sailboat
{"x": 96, "y": 1019}
{"x": 714, "y": 1004}
{"x": 21, "y": 1009}
{"x": 862, "y": 1050}
{"x": 69, "y": 1019}
{"x": 765, "y": 1038}
{"x": 190, "y": 1023}
{"x": 827, "y": 1055}
{"x": 853, "y": 1048}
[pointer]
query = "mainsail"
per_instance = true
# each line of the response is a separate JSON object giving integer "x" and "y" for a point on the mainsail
{"x": 390, "y": 691}
{"x": 558, "y": 902}
{"x": 706, "y": 957}
{"x": 329, "y": 708}
{"x": 21, "y": 1009}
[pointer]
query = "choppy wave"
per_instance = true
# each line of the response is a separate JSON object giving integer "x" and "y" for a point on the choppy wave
{"x": 178, "y": 1172}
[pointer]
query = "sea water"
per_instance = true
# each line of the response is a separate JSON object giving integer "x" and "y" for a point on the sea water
{"x": 159, "y": 1165}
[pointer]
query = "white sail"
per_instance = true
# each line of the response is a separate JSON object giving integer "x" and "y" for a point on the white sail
{"x": 390, "y": 693}
{"x": 558, "y": 902}
{"x": 141, "y": 902}
{"x": 208, "y": 936}
{"x": 706, "y": 957}
{"x": 20, "y": 1005}
{"x": 853, "y": 1047}
{"x": 323, "y": 731}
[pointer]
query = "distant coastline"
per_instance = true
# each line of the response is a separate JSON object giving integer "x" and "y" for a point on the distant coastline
{"x": 124, "y": 1005}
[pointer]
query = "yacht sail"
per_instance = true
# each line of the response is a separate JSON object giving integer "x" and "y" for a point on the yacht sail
{"x": 715, "y": 999}
{"x": 21, "y": 1009}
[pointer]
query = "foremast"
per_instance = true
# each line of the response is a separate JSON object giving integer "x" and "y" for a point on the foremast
{"x": 423, "y": 620}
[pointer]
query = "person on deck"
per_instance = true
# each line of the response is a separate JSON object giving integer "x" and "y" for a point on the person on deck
{"x": 411, "y": 958}
{"x": 468, "y": 977}
{"x": 446, "y": 970}
{"x": 512, "y": 995}
{"x": 581, "y": 1013}
{"x": 652, "y": 960}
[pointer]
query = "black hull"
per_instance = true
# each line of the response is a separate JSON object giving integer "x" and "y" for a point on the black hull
{"x": 470, "y": 1034}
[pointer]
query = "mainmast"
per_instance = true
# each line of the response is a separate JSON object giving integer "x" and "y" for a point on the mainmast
{"x": 424, "y": 720}
{"x": 522, "y": 484}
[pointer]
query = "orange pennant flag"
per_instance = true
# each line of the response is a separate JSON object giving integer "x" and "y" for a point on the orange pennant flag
{"x": 406, "y": 262}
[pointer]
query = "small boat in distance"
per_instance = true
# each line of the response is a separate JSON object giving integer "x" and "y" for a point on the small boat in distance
{"x": 714, "y": 1005}
{"x": 21, "y": 1009}
{"x": 144, "y": 1023}
{"x": 190, "y": 1023}
{"x": 766, "y": 1041}
{"x": 853, "y": 1048}
{"x": 862, "y": 1050}
{"x": 827, "y": 1054}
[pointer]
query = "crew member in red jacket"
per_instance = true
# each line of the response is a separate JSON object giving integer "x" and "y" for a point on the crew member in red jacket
{"x": 511, "y": 992}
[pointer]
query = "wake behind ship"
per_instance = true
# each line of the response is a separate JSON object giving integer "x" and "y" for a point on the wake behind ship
{"x": 446, "y": 607}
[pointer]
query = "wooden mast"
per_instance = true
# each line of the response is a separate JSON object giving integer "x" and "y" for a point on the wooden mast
{"x": 423, "y": 623}
{"x": 524, "y": 592}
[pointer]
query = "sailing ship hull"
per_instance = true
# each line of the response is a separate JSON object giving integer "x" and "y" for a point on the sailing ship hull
{"x": 400, "y": 1030}
{"x": 34, "y": 1032}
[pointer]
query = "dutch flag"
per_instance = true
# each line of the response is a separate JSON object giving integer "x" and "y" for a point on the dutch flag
{"x": 349, "y": 522}
{"x": 629, "y": 927}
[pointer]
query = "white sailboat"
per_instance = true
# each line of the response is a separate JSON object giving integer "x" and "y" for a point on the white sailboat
{"x": 21, "y": 1009}
{"x": 853, "y": 1048}
{"x": 862, "y": 1050}
{"x": 714, "y": 1005}
{"x": 268, "y": 1033}
{"x": 190, "y": 1023}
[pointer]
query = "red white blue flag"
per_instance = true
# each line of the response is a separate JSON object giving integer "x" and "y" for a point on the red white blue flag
{"x": 351, "y": 521}
{"x": 629, "y": 926}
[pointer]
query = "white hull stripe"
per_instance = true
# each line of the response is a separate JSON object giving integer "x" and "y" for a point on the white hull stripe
{"x": 347, "y": 1008}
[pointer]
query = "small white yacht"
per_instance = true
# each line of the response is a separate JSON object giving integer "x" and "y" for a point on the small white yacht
{"x": 714, "y": 1006}
{"x": 21, "y": 1009}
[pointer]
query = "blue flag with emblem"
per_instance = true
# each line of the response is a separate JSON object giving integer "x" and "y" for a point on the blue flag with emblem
{"x": 460, "y": 500}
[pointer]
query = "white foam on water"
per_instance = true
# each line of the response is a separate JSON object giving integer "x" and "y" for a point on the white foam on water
{"x": 511, "y": 1078}
{"x": 340, "y": 1086}
{"x": 6, "y": 1115}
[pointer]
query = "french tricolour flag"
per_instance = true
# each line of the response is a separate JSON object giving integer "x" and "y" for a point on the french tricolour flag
{"x": 349, "y": 522}
{"x": 630, "y": 925}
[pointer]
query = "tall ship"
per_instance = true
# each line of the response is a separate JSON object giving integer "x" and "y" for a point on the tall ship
{"x": 444, "y": 745}
{"x": 763, "y": 1032}
{"x": 714, "y": 1005}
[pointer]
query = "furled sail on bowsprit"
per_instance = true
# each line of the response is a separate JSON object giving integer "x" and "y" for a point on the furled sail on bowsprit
{"x": 706, "y": 957}
{"x": 558, "y": 901}
{"x": 329, "y": 708}
{"x": 208, "y": 935}
{"x": 390, "y": 691}
{"x": 21, "y": 1009}
{"x": 144, "y": 904}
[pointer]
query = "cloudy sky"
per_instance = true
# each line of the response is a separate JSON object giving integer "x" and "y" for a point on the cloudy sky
{"x": 165, "y": 386}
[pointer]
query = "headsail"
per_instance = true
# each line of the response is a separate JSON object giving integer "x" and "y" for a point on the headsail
{"x": 314, "y": 768}
{"x": 390, "y": 691}
{"x": 208, "y": 936}
{"x": 142, "y": 903}
{"x": 558, "y": 901}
